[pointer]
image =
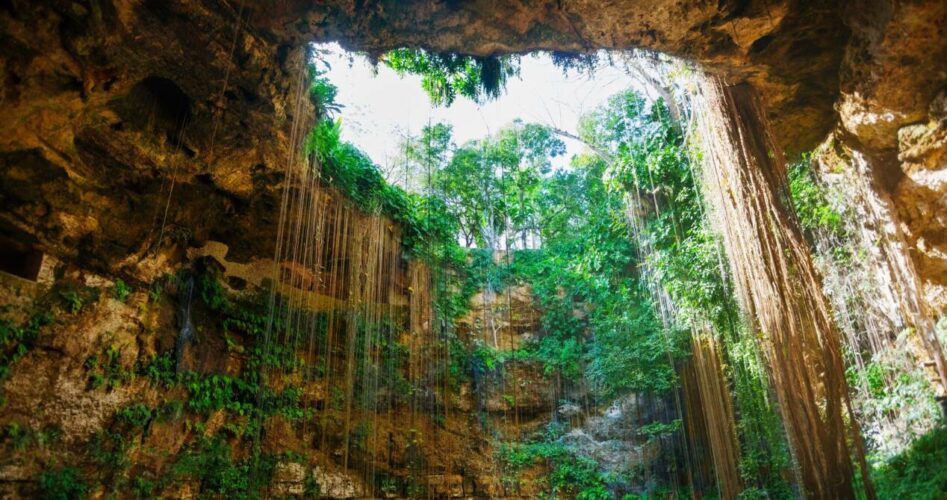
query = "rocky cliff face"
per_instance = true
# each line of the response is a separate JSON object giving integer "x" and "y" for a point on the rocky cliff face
{"x": 106, "y": 105}
{"x": 93, "y": 377}
{"x": 125, "y": 120}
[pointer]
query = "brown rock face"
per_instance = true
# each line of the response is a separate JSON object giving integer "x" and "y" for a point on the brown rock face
{"x": 919, "y": 198}
{"x": 790, "y": 50}
{"x": 891, "y": 112}
{"x": 124, "y": 122}
{"x": 131, "y": 130}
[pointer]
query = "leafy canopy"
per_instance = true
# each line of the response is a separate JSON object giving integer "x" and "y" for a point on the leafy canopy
{"x": 444, "y": 76}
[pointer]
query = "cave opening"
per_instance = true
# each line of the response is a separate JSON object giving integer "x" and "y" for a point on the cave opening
{"x": 463, "y": 268}
{"x": 581, "y": 256}
{"x": 157, "y": 105}
{"x": 483, "y": 220}
{"x": 20, "y": 259}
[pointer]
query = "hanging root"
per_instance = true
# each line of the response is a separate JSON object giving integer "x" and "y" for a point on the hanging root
{"x": 777, "y": 285}
{"x": 717, "y": 407}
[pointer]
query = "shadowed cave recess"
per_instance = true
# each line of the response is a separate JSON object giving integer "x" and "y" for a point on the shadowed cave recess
{"x": 724, "y": 278}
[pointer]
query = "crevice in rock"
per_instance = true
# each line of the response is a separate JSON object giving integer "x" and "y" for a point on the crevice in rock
{"x": 20, "y": 258}
{"x": 157, "y": 105}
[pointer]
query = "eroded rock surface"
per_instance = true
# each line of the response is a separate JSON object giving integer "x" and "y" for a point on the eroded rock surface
{"x": 107, "y": 105}
{"x": 134, "y": 130}
{"x": 125, "y": 123}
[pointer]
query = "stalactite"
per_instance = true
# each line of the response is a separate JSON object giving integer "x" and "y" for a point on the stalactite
{"x": 744, "y": 181}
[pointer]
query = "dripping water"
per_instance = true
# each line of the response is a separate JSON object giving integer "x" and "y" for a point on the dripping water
{"x": 186, "y": 334}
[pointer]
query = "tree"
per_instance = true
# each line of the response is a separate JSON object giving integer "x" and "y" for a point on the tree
{"x": 524, "y": 152}
{"x": 474, "y": 194}
{"x": 492, "y": 185}
{"x": 422, "y": 156}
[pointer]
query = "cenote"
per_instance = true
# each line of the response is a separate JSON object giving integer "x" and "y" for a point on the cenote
{"x": 442, "y": 249}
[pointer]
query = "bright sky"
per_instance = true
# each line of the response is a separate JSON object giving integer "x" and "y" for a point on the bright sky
{"x": 380, "y": 107}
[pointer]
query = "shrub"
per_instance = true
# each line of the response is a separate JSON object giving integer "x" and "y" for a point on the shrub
{"x": 918, "y": 473}
{"x": 62, "y": 484}
{"x": 106, "y": 370}
{"x": 121, "y": 290}
{"x": 135, "y": 415}
{"x": 17, "y": 340}
{"x": 71, "y": 301}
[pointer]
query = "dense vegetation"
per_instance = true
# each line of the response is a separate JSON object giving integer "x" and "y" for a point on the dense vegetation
{"x": 569, "y": 237}
{"x": 621, "y": 263}
{"x": 565, "y": 233}
{"x": 918, "y": 472}
{"x": 623, "y": 221}
{"x": 447, "y": 75}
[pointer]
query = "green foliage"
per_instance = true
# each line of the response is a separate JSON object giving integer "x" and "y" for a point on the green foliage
{"x": 389, "y": 486}
{"x": 322, "y": 93}
{"x": 209, "y": 393}
{"x": 425, "y": 221}
{"x": 212, "y": 464}
{"x": 811, "y": 199}
{"x": 241, "y": 396}
{"x": 247, "y": 316}
{"x": 890, "y": 389}
{"x": 136, "y": 415}
{"x": 631, "y": 352}
{"x": 144, "y": 488}
{"x": 589, "y": 258}
{"x": 872, "y": 377}
{"x": 155, "y": 291}
{"x": 71, "y": 301}
{"x": 182, "y": 235}
{"x": 312, "y": 489}
{"x": 428, "y": 229}
{"x": 17, "y": 340}
{"x": 121, "y": 291}
{"x": 160, "y": 370}
{"x": 349, "y": 169}
{"x": 571, "y": 474}
{"x": 765, "y": 451}
{"x": 495, "y": 184}
{"x": 568, "y": 61}
{"x": 503, "y": 187}
{"x": 106, "y": 369}
{"x": 21, "y": 437}
{"x": 649, "y": 161}
{"x": 109, "y": 449}
{"x": 821, "y": 213}
{"x": 444, "y": 76}
{"x": 18, "y": 437}
{"x": 73, "y": 297}
{"x": 485, "y": 358}
{"x": 427, "y": 153}
{"x": 245, "y": 395}
{"x": 918, "y": 473}
{"x": 658, "y": 430}
{"x": 65, "y": 483}
{"x": 218, "y": 469}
